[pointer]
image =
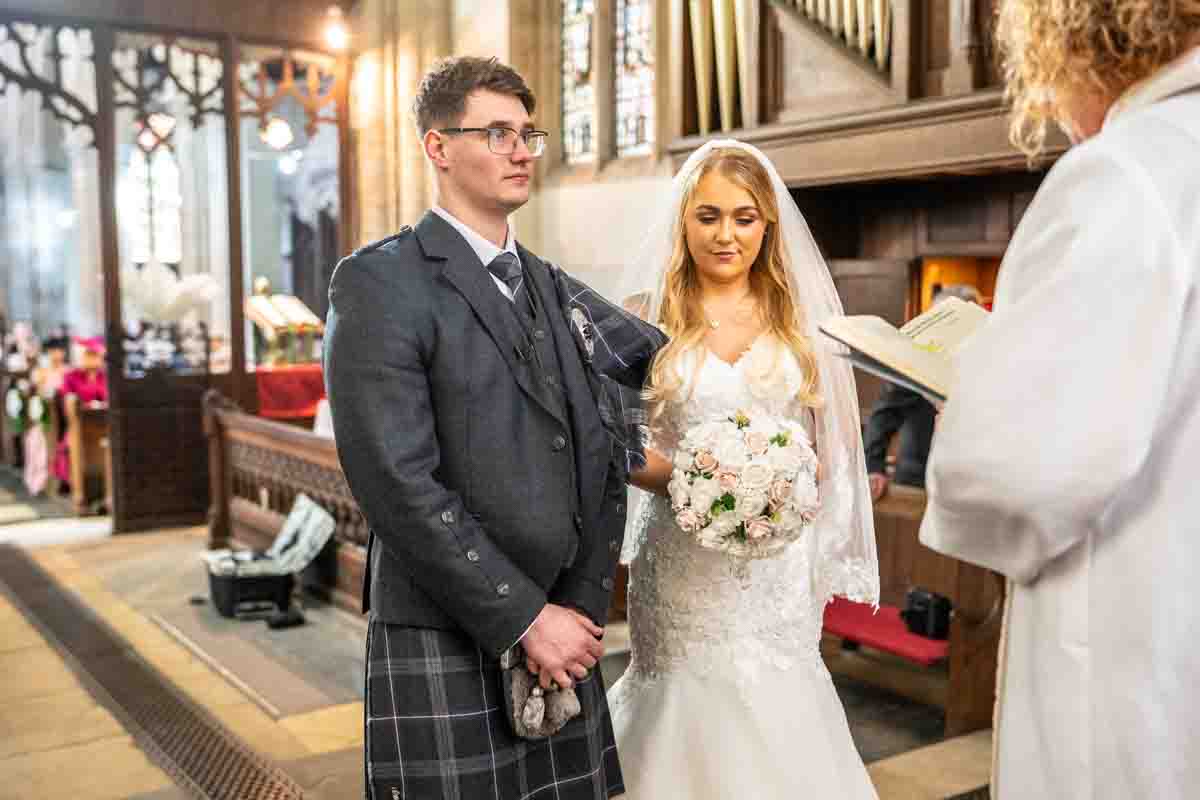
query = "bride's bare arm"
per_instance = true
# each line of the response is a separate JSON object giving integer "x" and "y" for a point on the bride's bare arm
{"x": 655, "y": 475}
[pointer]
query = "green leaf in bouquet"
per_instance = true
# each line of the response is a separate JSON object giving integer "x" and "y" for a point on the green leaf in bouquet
{"x": 718, "y": 508}
{"x": 739, "y": 532}
{"x": 728, "y": 501}
{"x": 782, "y": 439}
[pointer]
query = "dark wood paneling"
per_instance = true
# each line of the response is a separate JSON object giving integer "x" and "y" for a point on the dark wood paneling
{"x": 877, "y": 287}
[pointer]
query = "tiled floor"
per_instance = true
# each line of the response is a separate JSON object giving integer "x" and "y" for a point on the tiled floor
{"x": 52, "y": 729}
{"x": 291, "y": 694}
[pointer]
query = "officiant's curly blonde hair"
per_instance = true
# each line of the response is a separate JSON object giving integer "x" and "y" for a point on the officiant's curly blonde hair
{"x": 681, "y": 314}
{"x": 1050, "y": 47}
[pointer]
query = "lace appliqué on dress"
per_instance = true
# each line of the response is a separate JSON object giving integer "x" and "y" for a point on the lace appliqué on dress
{"x": 696, "y": 609}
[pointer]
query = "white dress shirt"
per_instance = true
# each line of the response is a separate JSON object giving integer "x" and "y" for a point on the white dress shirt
{"x": 486, "y": 251}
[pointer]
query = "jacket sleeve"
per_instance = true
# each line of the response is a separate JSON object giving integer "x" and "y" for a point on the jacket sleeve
{"x": 887, "y": 417}
{"x": 376, "y": 346}
{"x": 1059, "y": 397}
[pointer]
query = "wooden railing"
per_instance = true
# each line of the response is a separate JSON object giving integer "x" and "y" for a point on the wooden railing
{"x": 256, "y": 469}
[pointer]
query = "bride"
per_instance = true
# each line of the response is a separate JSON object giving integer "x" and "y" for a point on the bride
{"x": 726, "y": 695}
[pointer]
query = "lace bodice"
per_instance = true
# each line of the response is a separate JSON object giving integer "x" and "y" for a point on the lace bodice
{"x": 705, "y": 610}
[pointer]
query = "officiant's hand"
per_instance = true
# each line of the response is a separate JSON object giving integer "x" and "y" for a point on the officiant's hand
{"x": 562, "y": 643}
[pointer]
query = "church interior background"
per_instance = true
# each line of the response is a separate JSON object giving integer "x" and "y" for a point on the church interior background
{"x": 177, "y": 182}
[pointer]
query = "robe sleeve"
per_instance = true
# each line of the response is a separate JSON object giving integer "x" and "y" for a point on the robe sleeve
{"x": 1059, "y": 396}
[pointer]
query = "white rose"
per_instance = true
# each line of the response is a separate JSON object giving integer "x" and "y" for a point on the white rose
{"x": 757, "y": 477}
{"x": 731, "y": 453}
{"x": 750, "y": 505}
{"x": 704, "y": 436}
{"x": 723, "y": 525}
{"x": 678, "y": 489}
{"x": 786, "y": 460}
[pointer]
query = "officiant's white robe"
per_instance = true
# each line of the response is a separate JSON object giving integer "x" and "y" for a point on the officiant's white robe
{"x": 1068, "y": 458}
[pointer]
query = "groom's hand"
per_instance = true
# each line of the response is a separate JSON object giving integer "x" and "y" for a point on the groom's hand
{"x": 562, "y": 643}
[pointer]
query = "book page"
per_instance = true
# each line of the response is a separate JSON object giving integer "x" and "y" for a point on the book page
{"x": 946, "y": 327}
{"x": 931, "y": 368}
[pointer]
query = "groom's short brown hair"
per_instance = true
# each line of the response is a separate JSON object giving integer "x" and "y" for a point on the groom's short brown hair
{"x": 442, "y": 96}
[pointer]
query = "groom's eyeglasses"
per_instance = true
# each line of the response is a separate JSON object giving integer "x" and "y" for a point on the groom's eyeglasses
{"x": 503, "y": 141}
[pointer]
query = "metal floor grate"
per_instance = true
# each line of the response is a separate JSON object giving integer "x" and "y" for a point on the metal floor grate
{"x": 179, "y": 736}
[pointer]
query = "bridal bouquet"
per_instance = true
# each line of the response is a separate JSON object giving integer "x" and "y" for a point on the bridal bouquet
{"x": 744, "y": 486}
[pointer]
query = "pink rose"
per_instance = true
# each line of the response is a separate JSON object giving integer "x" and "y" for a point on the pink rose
{"x": 706, "y": 461}
{"x": 779, "y": 494}
{"x": 759, "y": 528}
{"x": 727, "y": 480}
{"x": 688, "y": 520}
{"x": 757, "y": 443}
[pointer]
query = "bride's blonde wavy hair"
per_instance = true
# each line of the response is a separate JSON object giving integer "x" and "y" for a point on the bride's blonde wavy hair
{"x": 1050, "y": 47}
{"x": 681, "y": 314}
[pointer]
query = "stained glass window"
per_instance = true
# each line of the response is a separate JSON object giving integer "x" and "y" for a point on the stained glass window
{"x": 578, "y": 88}
{"x": 635, "y": 76}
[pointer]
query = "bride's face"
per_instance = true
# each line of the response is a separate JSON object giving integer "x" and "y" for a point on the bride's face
{"x": 724, "y": 229}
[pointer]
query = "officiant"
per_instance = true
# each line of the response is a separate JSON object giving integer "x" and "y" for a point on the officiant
{"x": 1065, "y": 457}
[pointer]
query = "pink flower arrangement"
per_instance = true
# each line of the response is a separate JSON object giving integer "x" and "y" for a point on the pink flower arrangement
{"x": 743, "y": 486}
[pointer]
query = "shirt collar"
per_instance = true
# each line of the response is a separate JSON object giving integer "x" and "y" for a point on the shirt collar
{"x": 486, "y": 251}
{"x": 1181, "y": 75}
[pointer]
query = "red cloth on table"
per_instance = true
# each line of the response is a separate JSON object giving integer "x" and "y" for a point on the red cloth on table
{"x": 883, "y": 631}
{"x": 289, "y": 391}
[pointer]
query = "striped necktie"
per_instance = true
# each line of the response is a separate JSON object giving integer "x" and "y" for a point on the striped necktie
{"x": 507, "y": 267}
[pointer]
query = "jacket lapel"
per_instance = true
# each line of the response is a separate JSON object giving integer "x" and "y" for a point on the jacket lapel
{"x": 439, "y": 241}
{"x": 593, "y": 445}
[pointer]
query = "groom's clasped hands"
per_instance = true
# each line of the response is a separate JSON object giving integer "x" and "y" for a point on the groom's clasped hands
{"x": 562, "y": 644}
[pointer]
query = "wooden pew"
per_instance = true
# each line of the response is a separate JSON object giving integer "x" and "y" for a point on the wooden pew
{"x": 256, "y": 468}
{"x": 965, "y": 684}
{"x": 87, "y": 438}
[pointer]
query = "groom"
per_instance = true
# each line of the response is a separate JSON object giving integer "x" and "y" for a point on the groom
{"x": 476, "y": 442}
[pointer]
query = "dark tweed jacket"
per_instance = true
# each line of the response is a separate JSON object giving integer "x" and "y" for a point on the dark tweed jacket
{"x": 454, "y": 453}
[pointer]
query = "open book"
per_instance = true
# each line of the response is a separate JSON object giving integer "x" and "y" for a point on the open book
{"x": 919, "y": 356}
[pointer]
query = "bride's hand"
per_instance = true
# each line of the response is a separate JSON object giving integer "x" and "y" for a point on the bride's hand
{"x": 655, "y": 476}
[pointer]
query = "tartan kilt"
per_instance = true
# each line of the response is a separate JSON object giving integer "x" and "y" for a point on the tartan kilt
{"x": 436, "y": 730}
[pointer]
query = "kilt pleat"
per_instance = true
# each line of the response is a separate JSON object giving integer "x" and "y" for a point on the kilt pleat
{"x": 435, "y": 728}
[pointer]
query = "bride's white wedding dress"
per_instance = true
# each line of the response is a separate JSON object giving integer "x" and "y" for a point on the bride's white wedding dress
{"x": 726, "y": 695}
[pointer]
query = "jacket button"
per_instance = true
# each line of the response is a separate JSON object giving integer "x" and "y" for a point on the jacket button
{"x": 578, "y": 522}
{"x": 539, "y": 334}
{"x": 620, "y": 508}
{"x": 472, "y": 555}
{"x": 448, "y": 517}
{"x": 502, "y": 590}
{"x": 559, "y": 443}
{"x": 550, "y": 381}
{"x": 607, "y": 584}
{"x": 614, "y": 545}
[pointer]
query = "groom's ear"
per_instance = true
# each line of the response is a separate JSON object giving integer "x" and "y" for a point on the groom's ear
{"x": 435, "y": 149}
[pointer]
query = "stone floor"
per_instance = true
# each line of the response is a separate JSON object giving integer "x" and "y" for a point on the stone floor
{"x": 294, "y": 694}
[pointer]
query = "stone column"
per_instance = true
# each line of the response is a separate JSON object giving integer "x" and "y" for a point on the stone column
{"x": 398, "y": 40}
